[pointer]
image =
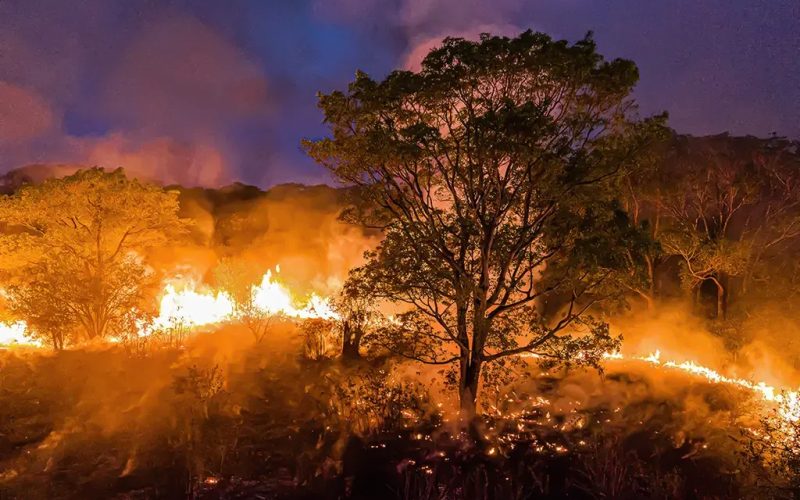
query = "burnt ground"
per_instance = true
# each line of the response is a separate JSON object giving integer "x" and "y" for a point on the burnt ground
{"x": 267, "y": 423}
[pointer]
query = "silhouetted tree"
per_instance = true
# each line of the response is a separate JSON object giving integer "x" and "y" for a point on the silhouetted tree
{"x": 237, "y": 278}
{"x": 490, "y": 172}
{"x": 731, "y": 203}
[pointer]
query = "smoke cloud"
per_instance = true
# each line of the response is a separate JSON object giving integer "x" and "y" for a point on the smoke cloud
{"x": 231, "y": 87}
{"x": 165, "y": 95}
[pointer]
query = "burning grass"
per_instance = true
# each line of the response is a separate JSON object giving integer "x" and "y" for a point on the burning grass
{"x": 190, "y": 404}
{"x": 227, "y": 418}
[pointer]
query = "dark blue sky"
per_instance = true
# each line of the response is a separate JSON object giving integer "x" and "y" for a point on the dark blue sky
{"x": 208, "y": 92}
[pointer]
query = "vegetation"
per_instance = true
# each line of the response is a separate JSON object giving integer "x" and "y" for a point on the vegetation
{"x": 490, "y": 172}
{"x": 74, "y": 250}
{"x": 237, "y": 278}
{"x": 510, "y": 203}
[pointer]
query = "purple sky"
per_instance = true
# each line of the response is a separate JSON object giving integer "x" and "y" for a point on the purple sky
{"x": 206, "y": 92}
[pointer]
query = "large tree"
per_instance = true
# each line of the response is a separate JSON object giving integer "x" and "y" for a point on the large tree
{"x": 490, "y": 173}
{"x": 77, "y": 244}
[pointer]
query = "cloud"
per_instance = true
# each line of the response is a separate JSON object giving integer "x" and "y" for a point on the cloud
{"x": 23, "y": 114}
{"x": 420, "y": 46}
{"x": 425, "y": 23}
{"x": 179, "y": 77}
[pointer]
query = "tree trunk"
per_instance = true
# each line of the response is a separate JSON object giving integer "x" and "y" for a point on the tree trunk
{"x": 350, "y": 350}
{"x": 468, "y": 385}
{"x": 720, "y": 300}
{"x": 651, "y": 289}
{"x": 468, "y": 395}
{"x": 351, "y": 338}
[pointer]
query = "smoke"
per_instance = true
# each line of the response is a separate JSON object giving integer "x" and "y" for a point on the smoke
{"x": 23, "y": 114}
{"x": 164, "y": 92}
{"x": 161, "y": 160}
{"x": 297, "y": 228}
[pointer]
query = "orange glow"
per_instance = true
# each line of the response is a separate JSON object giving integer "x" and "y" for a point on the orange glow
{"x": 13, "y": 334}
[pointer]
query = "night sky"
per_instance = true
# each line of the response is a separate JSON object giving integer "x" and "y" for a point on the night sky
{"x": 210, "y": 92}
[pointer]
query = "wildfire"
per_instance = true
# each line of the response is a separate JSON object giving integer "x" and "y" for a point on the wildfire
{"x": 14, "y": 334}
{"x": 272, "y": 297}
{"x": 193, "y": 308}
{"x": 190, "y": 308}
{"x": 788, "y": 400}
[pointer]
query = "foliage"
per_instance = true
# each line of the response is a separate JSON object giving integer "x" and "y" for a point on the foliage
{"x": 136, "y": 333}
{"x": 731, "y": 206}
{"x": 73, "y": 246}
{"x": 318, "y": 338}
{"x": 772, "y": 449}
{"x": 204, "y": 420}
{"x": 489, "y": 172}
{"x": 373, "y": 398}
{"x": 358, "y": 317}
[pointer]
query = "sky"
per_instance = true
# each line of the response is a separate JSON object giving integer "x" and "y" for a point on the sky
{"x": 208, "y": 92}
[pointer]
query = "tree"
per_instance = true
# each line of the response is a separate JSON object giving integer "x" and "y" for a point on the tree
{"x": 732, "y": 203}
{"x": 356, "y": 308}
{"x": 489, "y": 172}
{"x": 77, "y": 245}
{"x": 354, "y": 319}
{"x": 46, "y": 318}
{"x": 237, "y": 278}
{"x": 640, "y": 189}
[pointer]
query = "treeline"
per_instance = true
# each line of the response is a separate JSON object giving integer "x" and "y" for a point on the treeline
{"x": 724, "y": 212}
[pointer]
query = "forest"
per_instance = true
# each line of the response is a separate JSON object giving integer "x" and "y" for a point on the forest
{"x": 518, "y": 288}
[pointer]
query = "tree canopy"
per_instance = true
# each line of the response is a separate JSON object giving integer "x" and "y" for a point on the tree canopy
{"x": 75, "y": 246}
{"x": 490, "y": 172}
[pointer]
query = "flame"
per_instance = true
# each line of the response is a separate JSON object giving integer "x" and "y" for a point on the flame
{"x": 191, "y": 308}
{"x": 195, "y": 309}
{"x": 13, "y": 334}
{"x": 274, "y": 298}
{"x": 788, "y": 400}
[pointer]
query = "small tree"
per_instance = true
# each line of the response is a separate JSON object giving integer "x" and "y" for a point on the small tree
{"x": 317, "y": 335}
{"x": 237, "y": 278}
{"x": 77, "y": 243}
{"x": 47, "y": 319}
{"x": 490, "y": 172}
{"x": 356, "y": 307}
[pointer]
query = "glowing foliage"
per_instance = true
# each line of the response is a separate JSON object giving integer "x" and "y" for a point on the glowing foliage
{"x": 73, "y": 250}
